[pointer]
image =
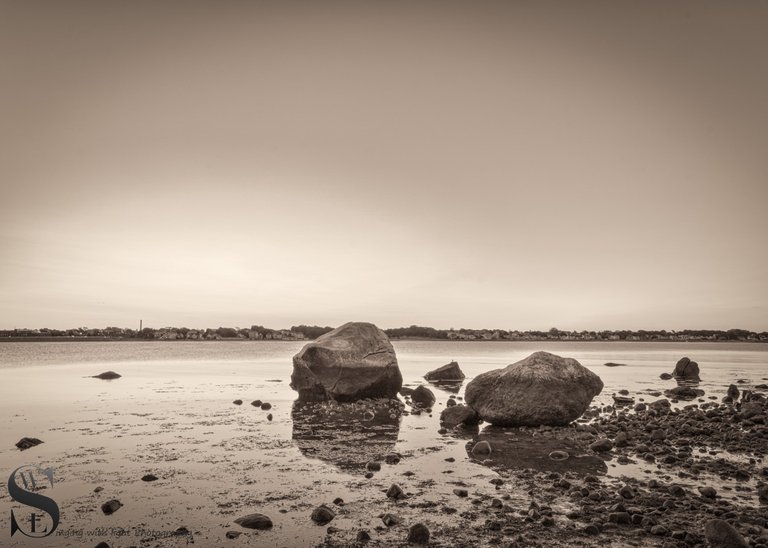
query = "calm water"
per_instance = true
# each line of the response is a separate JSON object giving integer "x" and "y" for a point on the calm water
{"x": 172, "y": 414}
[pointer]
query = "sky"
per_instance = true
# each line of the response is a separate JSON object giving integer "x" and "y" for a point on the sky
{"x": 481, "y": 164}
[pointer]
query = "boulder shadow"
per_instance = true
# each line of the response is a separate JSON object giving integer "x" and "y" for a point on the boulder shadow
{"x": 517, "y": 449}
{"x": 347, "y": 435}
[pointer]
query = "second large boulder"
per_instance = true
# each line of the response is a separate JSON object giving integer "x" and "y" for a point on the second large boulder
{"x": 351, "y": 362}
{"x": 542, "y": 389}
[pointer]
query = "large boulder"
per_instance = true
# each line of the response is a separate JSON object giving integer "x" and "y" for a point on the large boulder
{"x": 542, "y": 389}
{"x": 352, "y": 362}
{"x": 448, "y": 372}
{"x": 686, "y": 369}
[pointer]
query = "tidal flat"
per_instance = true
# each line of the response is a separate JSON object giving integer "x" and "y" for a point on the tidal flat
{"x": 172, "y": 416}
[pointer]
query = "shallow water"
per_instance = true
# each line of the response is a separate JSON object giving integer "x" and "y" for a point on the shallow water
{"x": 172, "y": 414}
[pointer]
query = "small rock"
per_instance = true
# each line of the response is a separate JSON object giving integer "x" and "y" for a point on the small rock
{"x": 423, "y": 396}
{"x": 26, "y": 443}
{"x": 107, "y": 376}
{"x": 601, "y": 445}
{"x": 482, "y": 448}
{"x": 269, "y": 416}
{"x": 338, "y": 501}
{"x": 255, "y": 521}
{"x": 395, "y": 492}
{"x": 559, "y": 455}
{"x": 461, "y": 492}
{"x": 392, "y": 458}
{"x": 621, "y": 518}
{"x": 708, "y": 492}
{"x": 418, "y": 534}
{"x": 363, "y": 536}
{"x": 390, "y": 520}
{"x": 256, "y": 403}
{"x": 149, "y": 477}
{"x": 238, "y": 402}
{"x": 322, "y": 515}
{"x": 266, "y": 405}
{"x": 722, "y": 534}
{"x": 373, "y": 466}
{"x": 111, "y": 506}
{"x": 233, "y": 534}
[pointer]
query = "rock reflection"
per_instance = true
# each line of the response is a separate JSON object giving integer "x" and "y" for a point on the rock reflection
{"x": 448, "y": 386}
{"x": 347, "y": 435}
{"x": 517, "y": 449}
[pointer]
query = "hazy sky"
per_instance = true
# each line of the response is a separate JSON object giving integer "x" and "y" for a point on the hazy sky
{"x": 518, "y": 165}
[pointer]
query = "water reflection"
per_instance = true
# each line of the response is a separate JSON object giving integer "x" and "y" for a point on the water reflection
{"x": 515, "y": 449}
{"x": 448, "y": 386}
{"x": 347, "y": 435}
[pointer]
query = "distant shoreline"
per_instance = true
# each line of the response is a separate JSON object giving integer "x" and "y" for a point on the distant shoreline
{"x": 420, "y": 339}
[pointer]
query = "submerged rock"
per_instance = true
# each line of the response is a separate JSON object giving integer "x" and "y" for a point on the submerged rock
{"x": 255, "y": 521}
{"x": 542, "y": 389}
{"x": 686, "y": 369}
{"x": 684, "y": 393}
{"x": 351, "y": 362}
{"x": 107, "y": 375}
{"x": 26, "y": 443}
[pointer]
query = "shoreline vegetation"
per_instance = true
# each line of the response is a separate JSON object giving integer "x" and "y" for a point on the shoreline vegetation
{"x": 414, "y": 332}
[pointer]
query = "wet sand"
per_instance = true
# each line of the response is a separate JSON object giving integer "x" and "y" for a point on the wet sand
{"x": 216, "y": 461}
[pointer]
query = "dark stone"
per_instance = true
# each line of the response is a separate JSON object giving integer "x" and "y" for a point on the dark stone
{"x": 266, "y": 406}
{"x": 238, "y": 402}
{"x": 255, "y": 521}
{"x": 233, "y": 534}
{"x": 665, "y": 376}
{"x": 363, "y": 536}
{"x": 418, "y": 534}
{"x": 448, "y": 372}
{"x": 26, "y": 443}
{"x": 107, "y": 376}
{"x": 389, "y": 520}
{"x": 395, "y": 492}
{"x": 612, "y": 364}
{"x": 542, "y": 389}
{"x": 481, "y": 448}
{"x": 733, "y": 392}
{"x": 621, "y": 518}
{"x": 256, "y": 403}
{"x": 322, "y": 515}
{"x": 269, "y": 416}
{"x": 601, "y": 445}
{"x": 461, "y": 493}
{"x": 352, "y": 362}
{"x": 423, "y": 396}
{"x": 149, "y": 477}
{"x": 111, "y": 506}
{"x": 684, "y": 393}
{"x": 721, "y": 534}
{"x": 373, "y": 466}
{"x": 458, "y": 414}
{"x": 686, "y": 369}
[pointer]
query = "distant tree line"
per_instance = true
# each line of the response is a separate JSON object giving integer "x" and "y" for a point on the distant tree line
{"x": 309, "y": 332}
